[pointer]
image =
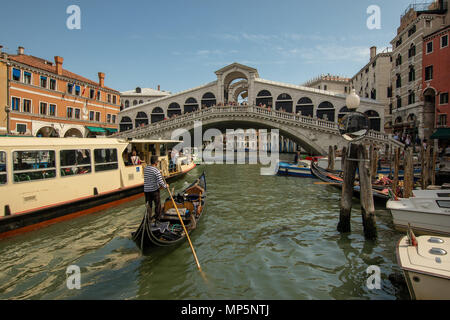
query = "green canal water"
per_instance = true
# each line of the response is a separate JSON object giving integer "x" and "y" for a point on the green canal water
{"x": 262, "y": 237}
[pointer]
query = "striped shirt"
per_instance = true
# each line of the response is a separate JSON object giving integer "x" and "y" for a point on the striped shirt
{"x": 153, "y": 179}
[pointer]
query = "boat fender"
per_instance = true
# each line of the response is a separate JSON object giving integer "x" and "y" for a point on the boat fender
{"x": 7, "y": 210}
{"x": 95, "y": 192}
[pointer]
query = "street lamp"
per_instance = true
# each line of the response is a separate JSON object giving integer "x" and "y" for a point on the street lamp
{"x": 7, "y": 110}
{"x": 355, "y": 125}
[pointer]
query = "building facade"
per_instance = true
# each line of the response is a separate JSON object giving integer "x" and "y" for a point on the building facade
{"x": 373, "y": 81}
{"x": 436, "y": 77}
{"x": 409, "y": 115}
{"x": 140, "y": 95}
{"x": 3, "y": 93}
{"x": 46, "y": 100}
{"x": 329, "y": 82}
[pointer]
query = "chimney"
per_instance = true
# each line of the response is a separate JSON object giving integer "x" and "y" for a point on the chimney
{"x": 20, "y": 50}
{"x": 159, "y": 87}
{"x": 59, "y": 62}
{"x": 101, "y": 79}
{"x": 1, "y": 47}
{"x": 373, "y": 52}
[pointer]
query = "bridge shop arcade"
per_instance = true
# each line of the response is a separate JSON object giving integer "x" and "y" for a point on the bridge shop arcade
{"x": 237, "y": 84}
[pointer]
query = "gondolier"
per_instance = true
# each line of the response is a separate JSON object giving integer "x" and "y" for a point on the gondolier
{"x": 153, "y": 181}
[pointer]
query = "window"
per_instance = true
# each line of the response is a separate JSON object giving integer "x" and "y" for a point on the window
{"x": 399, "y": 42}
{"x": 113, "y": 118}
{"x": 21, "y": 128}
{"x": 398, "y": 61}
{"x": 52, "y": 84}
{"x": 3, "y": 171}
{"x": 77, "y": 113}
{"x": 91, "y": 115}
{"x": 26, "y": 105}
{"x": 411, "y": 31}
{"x": 77, "y": 90}
{"x": 33, "y": 165}
{"x": 15, "y": 104}
{"x": 443, "y": 98}
{"x": 325, "y": 87}
{"x": 399, "y": 102}
{"x": 427, "y": 23}
{"x": 69, "y": 112}
{"x": 411, "y": 97}
{"x": 444, "y": 41}
{"x": 52, "y": 110}
{"x": 43, "y": 82}
{"x": 109, "y": 98}
{"x": 442, "y": 120}
{"x": 75, "y": 162}
{"x": 43, "y": 108}
{"x": 412, "y": 74}
{"x": 399, "y": 81}
{"x": 412, "y": 51}
{"x": 430, "y": 47}
{"x": 114, "y": 100}
{"x": 108, "y": 118}
{"x": 105, "y": 159}
{"x": 429, "y": 73}
{"x": 97, "y": 116}
{"x": 92, "y": 93}
{"x": 16, "y": 74}
{"x": 70, "y": 88}
{"x": 27, "y": 77}
{"x": 389, "y": 92}
{"x": 98, "y": 95}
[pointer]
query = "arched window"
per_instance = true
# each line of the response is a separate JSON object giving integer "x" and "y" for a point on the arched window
{"x": 157, "y": 115}
{"x": 141, "y": 119}
{"x": 374, "y": 120}
{"x": 264, "y": 98}
{"x": 412, "y": 50}
{"x": 326, "y": 111}
{"x": 125, "y": 124}
{"x": 343, "y": 112}
{"x": 135, "y": 102}
{"x": 398, "y": 120}
{"x": 174, "y": 109}
{"x": 208, "y": 100}
{"x": 305, "y": 107}
{"x": 412, "y": 74}
{"x": 284, "y": 103}
{"x": 127, "y": 104}
{"x": 191, "y": 105}
{"x": 141, "y": 101}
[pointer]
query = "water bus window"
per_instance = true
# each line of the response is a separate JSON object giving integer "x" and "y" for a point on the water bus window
{"x": 3, "y": 176}
{"x": 105, "y": 159}
{"x": 34, "y": 165}
{"x": 75, "y": 162}
{"x": 443, "y": 204}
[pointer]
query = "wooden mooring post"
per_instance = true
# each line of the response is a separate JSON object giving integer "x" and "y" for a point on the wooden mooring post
{"x": 357, "y": 157}
{"x": 408, "y": 181}
{"x": 396, "y": 170}
{"x": 366, "y": 195}
{"x": 349, "y": 168}
{"x": 433, "y": 166}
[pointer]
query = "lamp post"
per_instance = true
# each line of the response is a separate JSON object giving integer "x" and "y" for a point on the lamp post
{"x": 7, "y": 110}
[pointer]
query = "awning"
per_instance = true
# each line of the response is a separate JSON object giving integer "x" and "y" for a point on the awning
{"x": 441, "y": 133}
{"x": 95, "y": 129}
{"x": 111, "y": 130}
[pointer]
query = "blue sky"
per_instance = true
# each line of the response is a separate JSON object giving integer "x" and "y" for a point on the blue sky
{"x": 180, "y": 43}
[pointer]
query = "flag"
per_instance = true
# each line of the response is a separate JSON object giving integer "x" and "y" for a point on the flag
{"x": 412, "y": 237}
{"x": 84, "y": 89}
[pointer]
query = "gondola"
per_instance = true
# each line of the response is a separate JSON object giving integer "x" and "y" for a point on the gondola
{"x": 336, "y": 180}
{"x": 167, "y": 230}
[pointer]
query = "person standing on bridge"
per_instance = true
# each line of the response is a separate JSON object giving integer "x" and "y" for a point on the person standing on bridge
{"x": 153, "y": 181}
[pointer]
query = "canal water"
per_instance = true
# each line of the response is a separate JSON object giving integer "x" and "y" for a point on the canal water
{"x": 261, "y": 237}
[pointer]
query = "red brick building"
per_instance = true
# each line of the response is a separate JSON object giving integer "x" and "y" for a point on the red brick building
{"x": 436, "y": 75}
{"x": 46, "y": 100}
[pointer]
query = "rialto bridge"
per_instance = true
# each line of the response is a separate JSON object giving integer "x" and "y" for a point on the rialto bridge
{"x": 306, "y": 116}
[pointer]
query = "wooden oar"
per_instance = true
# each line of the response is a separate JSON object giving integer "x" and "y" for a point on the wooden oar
{"x": 328, "y": 183}
{"x": 184, "y": 227}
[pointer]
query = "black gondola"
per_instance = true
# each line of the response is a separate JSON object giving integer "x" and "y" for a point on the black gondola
{"x": 336, "y": 181}
{"x": 167, "y": 230}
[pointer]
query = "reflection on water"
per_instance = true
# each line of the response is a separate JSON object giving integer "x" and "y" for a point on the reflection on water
{"x": 262, "y": 237}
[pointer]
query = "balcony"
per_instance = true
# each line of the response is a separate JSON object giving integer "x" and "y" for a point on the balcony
{"x": 441, "y": 6}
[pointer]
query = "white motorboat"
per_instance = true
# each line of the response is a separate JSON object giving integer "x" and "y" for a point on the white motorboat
{"x": 428, "y": 212}
{"x": 425, "y": 262}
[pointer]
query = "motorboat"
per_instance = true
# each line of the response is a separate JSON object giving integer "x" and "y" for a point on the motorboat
{"x": 425, "y": 263}
{"x": 428, "y": 212}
